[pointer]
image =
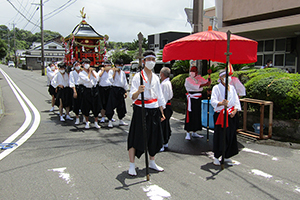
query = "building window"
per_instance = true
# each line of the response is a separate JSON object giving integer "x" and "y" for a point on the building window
{"x": 259, "y": 60}
{"x": 290, "y": 60}
{"x": 280, "y": 45}
{"x": 260, "y": 46}
{"x": 269, "y": 45}
{"x": 279, "y": 60}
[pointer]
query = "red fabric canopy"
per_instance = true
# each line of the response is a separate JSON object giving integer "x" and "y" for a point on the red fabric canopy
{"x": 211, "y": 45}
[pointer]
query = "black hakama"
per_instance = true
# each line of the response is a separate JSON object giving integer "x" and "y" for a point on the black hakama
{"x": 165, "y": 125}
{"x": 104, "y": 91}
{"x": 77, "y": 102}
{"x": 153, "y": 127}
{"x": 195, "y": 123}
{"x": 116, "y": 100}
{"x": 65, "y": 94}
{"x": 51, "y": 90}
{"x": 231, "y": 140}
{"x": 91, "y": 101}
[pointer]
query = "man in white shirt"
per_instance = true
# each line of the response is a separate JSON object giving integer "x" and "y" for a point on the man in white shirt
{"x": 166, "y": 87}
{"x": 64, "y": 93}
{"x": 73, "y": 82}
{"x": 117, "y": 95}
{"x": 88, "y": 80}
{"x": 154, "y": 105}
{"x": 194, "y": 85}
{"x": 233, "y": 106}
{"x": 105, "y": 83}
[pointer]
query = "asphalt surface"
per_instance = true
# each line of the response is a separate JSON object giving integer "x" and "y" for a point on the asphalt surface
{"x": 63, "y": 161}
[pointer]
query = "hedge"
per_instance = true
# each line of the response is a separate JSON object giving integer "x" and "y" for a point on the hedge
{"x": 271, "y": 84}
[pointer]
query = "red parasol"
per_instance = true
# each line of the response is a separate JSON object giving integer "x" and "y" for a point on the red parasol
{"x": 211, "y": 45}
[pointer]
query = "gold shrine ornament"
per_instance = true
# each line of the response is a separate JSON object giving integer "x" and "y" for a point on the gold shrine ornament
{"x": 86, "y": 41}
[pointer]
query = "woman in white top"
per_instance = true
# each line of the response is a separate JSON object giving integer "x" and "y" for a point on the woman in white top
{"x": 51, "y": 71}
{"x": 64, "y": 93}
{"x": 233, "y": 105}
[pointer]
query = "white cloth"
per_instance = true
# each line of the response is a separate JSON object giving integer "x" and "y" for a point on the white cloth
{"x": 60, "y": 79}
{"x": 106, "y": 78}
{"x": 194, "y": 96}
{"x": 74, "y": 78}
{"x": 239, "y": 87}
{"x": 86, "y": 81}
{"x": 50, "y": 75}
{"x": 152, "y": 91}
{"x": 120, "y": 80}
{"x": 218, "y": 95}
{"x": 166, "y": 87}
{"x": 192, "y": 84}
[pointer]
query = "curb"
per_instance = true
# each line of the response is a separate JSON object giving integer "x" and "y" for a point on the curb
{"x": 1, "y": 105}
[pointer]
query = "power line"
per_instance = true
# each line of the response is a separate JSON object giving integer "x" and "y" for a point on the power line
{"x": 37, "y": 8}
{"x": 20, "y": 12}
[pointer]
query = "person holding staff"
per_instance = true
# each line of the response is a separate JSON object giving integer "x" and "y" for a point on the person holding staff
{"x": 154, "y": 105}
{"x": 233, "y": 105}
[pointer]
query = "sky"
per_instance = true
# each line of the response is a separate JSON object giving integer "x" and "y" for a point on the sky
{"x": 121, "y": 20}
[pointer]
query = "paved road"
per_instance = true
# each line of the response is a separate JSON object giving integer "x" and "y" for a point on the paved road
{"x": 61, "y": 161}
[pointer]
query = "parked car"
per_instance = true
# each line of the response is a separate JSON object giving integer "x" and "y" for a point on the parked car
{"x": 127, "y": 69}
{"x": 11, "y": 64}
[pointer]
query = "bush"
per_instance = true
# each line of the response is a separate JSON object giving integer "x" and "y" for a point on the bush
{"x": 178, "y": 86}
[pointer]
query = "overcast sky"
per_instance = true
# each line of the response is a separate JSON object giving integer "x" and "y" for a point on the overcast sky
{"x": 121, "y": 20}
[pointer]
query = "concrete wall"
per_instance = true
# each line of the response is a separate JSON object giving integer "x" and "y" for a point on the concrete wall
{"x": 236, "y": 9}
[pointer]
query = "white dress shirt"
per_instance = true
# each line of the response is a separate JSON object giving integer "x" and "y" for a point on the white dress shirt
{"x": 60, "y": 79}
{"x": 74, "y": 78}
{"x": 152, "y": 91}
{"x": 106, "y": 78}
{"x": 120, "y": 80}
{"x": 86, "y": 81}
{"x": 166, "y": 87}
{"x": 50, "y": 75}
{"x": 192, "y": 84}
{"x": 218, "y": 95}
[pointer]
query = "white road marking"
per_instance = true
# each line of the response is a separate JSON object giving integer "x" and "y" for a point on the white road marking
{"x": 154, "y": 192}
{"x": 35, "y": 124}
{"x": 261, "y": 173}
{"x": 62, "y": 174}
{"x": 258, "y": 152}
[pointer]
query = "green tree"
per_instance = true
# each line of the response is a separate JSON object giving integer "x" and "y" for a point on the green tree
{"x": 121, "y": 55}
{"x": 3, "y": 49}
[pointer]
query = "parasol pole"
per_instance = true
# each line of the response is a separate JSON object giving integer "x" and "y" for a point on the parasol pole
{"x": 226, "y": 94}
{"x": 140, "y": 37}
{"x": 208, "y": 93}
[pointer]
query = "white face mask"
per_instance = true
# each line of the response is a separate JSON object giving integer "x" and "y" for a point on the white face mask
{"x": 229, "y": 79}
{"x": 62, "y": 71}
{"x": 52, "y": 68}
{"x": 150, "y": 64}
{"x": 77, "y": 67}
{"x": 86, "y": 66}
{"x": 192, "y": 74}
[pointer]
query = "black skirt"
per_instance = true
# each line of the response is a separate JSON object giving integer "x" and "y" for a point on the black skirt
{"x": 91, "y": 101}
{"x": 195, "y": 123}
{"x": 104, "y": 94}
{"x": 51, "y": 90}
{"x": 231, "y": 147}
{"x": 78, "y": 101}
{"x": 153, "y": 127}
{"x": 65, "y": 94}
{"x": 116, "y": 100}
{"x": 166, "y": 128}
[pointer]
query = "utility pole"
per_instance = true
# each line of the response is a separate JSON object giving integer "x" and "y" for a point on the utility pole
{"x": 198, "y": 27}
{"x": 15, "y": 57}
{"x": 42, "y": 39}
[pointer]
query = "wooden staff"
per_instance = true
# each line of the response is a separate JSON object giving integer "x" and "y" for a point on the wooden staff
{"x": 208, "y": 93}
{"x": 140, "y": 37}
{"x": 226, "y": 94}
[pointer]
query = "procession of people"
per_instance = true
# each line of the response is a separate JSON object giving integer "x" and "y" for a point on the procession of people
{"x": 100, "y": 94}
